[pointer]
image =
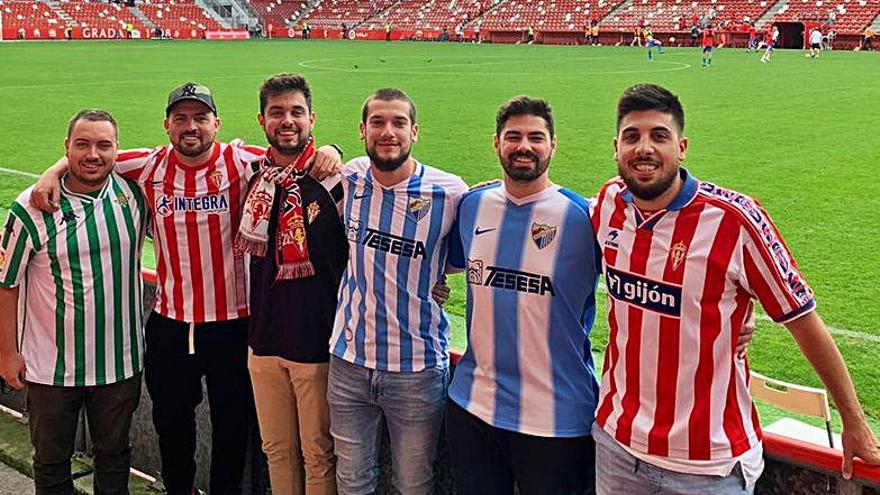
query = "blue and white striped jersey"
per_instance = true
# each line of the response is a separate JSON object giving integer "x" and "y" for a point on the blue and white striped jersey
{"x": 398, "y": 246}
{"x": 532, "y": 267}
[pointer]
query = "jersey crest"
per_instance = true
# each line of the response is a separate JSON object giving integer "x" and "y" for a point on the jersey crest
{"x": 216, "y": 178}
{"x": 313, "y": 210}
{"x": 543, "y": 234}
{"x": 419, "y": 207}
{"x": 678, "y": 254}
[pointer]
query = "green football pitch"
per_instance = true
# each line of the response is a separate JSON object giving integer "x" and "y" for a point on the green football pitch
{"x": 799, "y": 135}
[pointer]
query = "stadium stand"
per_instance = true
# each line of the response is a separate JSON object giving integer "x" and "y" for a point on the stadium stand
{"x": 852, "y": 16}
{"x": 330, "y": 14}
{"x": 30, "y": 15}
{"x": 678, "y": 15}
{"x": 547, "y": 15}
{"x": 278, "y": 12}
{"x": 101, "y": 15}
{"x": 429, "y": 15}
{"x": 178, "y": 16}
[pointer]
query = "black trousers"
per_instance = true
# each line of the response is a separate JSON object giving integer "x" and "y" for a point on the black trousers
{"x": 488, "y": 461}
{"x": 174, "y": 381}
{"x": 54, "y": 414}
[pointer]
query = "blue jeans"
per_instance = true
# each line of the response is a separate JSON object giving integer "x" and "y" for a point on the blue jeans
{"x": 618, "y": 471}
{"x": 412, "y": 405}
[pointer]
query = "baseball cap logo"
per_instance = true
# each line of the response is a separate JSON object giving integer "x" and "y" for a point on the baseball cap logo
{"x": 189, "y": 90}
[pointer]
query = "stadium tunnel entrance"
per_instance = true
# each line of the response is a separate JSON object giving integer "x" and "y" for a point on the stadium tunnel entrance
{"x": 791, "y": 35}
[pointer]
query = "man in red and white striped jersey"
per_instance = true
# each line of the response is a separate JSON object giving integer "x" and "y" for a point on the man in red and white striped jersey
{"x": 195, "y": 187}
{"x": 683, "y": 259}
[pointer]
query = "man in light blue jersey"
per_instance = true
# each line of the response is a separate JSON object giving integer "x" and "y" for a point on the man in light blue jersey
{"x": 77, "y": 273}
{"x": 524, "y": 394}
{"x": 389, "y": 348}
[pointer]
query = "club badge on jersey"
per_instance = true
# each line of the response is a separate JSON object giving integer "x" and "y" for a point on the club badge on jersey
{"x": 542, "y": 234}
{"x": 419, "y": 207}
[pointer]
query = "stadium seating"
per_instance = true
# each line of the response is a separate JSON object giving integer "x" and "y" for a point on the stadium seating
{"x": 330, "y": 14}
{"x": 101, "y": 15}
{"x": 853, "y": 16}
{"x": 429, "y": 15}
{"x": 547, "y": 15}
{"x": 30, "y": 15}
{"x": 178, "y": 16}
{"x": 677, "y": 15}
{"x": 278, "y": 12}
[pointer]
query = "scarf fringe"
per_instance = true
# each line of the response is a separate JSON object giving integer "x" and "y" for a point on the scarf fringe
{"x": 254, "y": 246}
{"x": 301, "y": 269}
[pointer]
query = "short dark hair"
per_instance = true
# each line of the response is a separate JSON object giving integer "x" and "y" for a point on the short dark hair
{"x": 643, "y": 97}
{"x": 389, "y": 94}
{"x": 283, "y": 83}
{"x": 93, "y": 115}
{"x": 524, "y": 105}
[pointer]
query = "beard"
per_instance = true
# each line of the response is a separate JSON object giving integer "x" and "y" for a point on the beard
{"x": 288, "y": 150}
{"x": 522, "y": 174}
{"x": 195, "y": 149}
{"x": 648, "y": 191}
{"x": 388, "y": 164}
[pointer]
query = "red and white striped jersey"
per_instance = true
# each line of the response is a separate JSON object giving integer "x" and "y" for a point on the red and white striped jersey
{"x": 196, "y": 213}
{"x": 679, "y": 284}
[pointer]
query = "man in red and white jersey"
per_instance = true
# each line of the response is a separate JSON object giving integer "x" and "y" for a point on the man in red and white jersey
{"x": 195, "y": 187}
{"x": 683, "y": 259}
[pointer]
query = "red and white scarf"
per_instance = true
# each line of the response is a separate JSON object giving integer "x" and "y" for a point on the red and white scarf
{"x": 292, "y": 249}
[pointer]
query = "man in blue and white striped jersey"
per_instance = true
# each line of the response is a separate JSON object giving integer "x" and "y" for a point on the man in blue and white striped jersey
{"x": 524, "y": 394}
{"x": 390, "y": 339}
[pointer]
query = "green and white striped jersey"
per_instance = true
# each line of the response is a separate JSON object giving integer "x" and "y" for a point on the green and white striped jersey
{"x": 81, "y": 275}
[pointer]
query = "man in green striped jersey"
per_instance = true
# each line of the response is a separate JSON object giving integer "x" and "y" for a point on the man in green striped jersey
{"x": 81, "y": 331}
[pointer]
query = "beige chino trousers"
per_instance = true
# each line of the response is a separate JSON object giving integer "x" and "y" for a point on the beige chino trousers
{"x": 291, "y": 402}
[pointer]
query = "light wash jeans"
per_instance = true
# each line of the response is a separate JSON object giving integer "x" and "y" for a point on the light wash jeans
{"x": 619, "y": 472}
{"x": 412, "y": 405}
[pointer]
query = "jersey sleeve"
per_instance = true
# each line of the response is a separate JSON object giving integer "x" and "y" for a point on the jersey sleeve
{"x": 247, "y": 157}
{"x": 131, "y": 163}
{"x": 456, "y": 259}
{"x": 769, "y": 271}
{"x": 456, "y": 248}
{"x": 16, "y": 249}
{"x": 333, "y": 185}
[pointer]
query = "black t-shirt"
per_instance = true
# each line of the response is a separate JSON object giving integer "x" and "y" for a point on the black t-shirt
{"x": 293, "y": 319}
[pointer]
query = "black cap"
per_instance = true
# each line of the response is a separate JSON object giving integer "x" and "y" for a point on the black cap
{"x": 191, "y": 91}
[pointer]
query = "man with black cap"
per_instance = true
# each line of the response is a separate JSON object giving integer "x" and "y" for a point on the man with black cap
{"x": 196, "y": 188}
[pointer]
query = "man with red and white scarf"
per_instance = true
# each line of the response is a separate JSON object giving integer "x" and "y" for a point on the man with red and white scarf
{"x": 291, "y": 227}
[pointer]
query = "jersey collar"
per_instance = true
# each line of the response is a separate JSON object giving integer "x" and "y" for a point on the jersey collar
{"x": 687, "y": 193}
{"x": 403, "y": 184}
{"x": 87, "y": 197}
{"x": 176, "y": 163}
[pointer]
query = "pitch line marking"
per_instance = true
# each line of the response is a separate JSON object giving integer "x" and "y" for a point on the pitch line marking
{"x": 18, "y": 172}
{"x": 426, "y": 70}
